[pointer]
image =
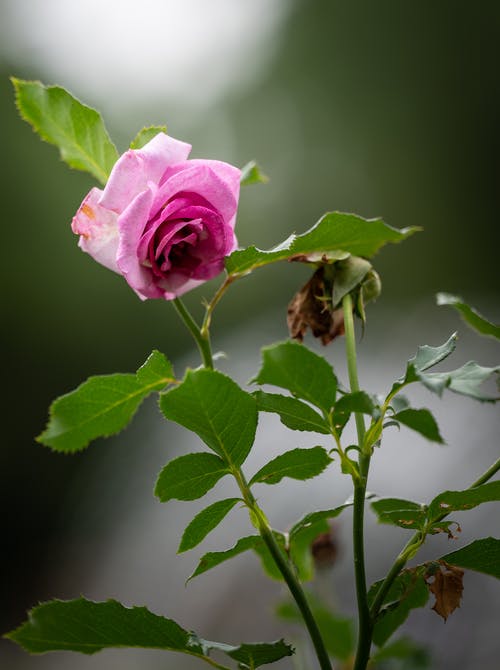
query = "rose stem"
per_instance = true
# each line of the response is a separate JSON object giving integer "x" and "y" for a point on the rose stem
{"x": 365, "y": 626}
{"x": 202, "y": 340}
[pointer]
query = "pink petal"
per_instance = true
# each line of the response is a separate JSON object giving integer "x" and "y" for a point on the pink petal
{"x": 135, "y": 168}
{"x": 98, "y": 230}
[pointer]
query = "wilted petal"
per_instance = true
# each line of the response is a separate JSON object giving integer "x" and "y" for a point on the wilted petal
{"x": 98, "y": 230}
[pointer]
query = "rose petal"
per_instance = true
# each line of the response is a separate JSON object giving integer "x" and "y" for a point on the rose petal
{"x": 136, "y": 168}
{"x": 98, "y": 230}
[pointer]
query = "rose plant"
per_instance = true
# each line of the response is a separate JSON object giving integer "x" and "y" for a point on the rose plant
{"x": 166, "y": 223}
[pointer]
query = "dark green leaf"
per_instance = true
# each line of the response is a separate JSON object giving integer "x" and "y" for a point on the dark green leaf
{"x": 103, "y": 406}
{"x": 250, "y": 656}
{"x": 469, "y": 315}
{"x": 402, "y": 513}
{"x": 87, "y": 627}
{"x": 251, "y": 174}
{"x": 77, "y": 130}
{"x": 297, "y": 464}
{"x": 267, "y": 561}
{"x": 204, "y": 522}
{"x": 314, "y": 517}
{"x": 292, "y": 412}
{"x": 359, "y": 401}
{"x": 414, "y": 656}
{"x": 422, "y": 421}
{"x": 214, "y": 558}
{"x": 349, "y": 273}
{"x": 189, "y": 477}
{"x": 408, "y": 592}
{"x": 335, "y": 231}
{"x": 217, "y": 409}
{"x": 292, "y": 366}
{"x": 458, "y": 501}
{"x": 146, "y": 135}
{"x": 480, "y": 555}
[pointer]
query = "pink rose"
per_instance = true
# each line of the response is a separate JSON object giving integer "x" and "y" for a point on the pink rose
{"x": 162, "y": 221}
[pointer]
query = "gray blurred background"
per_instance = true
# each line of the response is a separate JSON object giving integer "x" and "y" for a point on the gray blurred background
{"x": 382, "y": 108}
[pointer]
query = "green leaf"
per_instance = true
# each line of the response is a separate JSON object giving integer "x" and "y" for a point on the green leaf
{"x": 189, "y": 477}
{"x": 294, "y": 367}
{"x": 267, "y": 561}
{"x": 414, "y": 656}
{"x": 460, "y": 501}
{"x": 399, "y": 512}
{"x": 469, "y": 315}
{"x": 359, "y": 401}
{"x": 251, "y": 174}
{"x": 480, "y": 555}
{"x": 427, "y": 357}
{"x": 337, "y": 632}
{"x": 214, "y": 558}
{"x": 217, "y": 410}
{"x": 204, "y": 522}
{"x": 146, "y": 135}
{"x": 293, "y": 413}
{"x": 77, "y": 130}
{"x": 88, "y": 627}
{"x": 103, "y": 405}
{"x": 422, "y": 421}
{"x": 466, "y": 380}
{"x": 299, "y": 464}
{"x": 314, "y": 517}
{"x": 408, "y": 592}
{"x": 335, "y": 231}
{"x": 349, "y": 273}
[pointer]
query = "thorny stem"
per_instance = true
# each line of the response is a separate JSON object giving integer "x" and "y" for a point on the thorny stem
{"x": 413, "y": 545}
{"x": 201, "y": 339}
{"x": 364, "y": 620}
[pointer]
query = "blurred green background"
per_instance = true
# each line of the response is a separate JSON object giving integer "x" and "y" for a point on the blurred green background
{"x": 383, "y": 108}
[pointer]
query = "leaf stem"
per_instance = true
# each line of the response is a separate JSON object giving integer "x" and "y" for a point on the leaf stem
{"x": 288, "y": 574}
{"x": 364, "y": 620}
{"x": 212, "y": 304}
{"x": 202, "y": 339}
{"x": 413, "y": 545}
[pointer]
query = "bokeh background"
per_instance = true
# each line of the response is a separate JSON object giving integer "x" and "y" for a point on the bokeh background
{"x": 382, "y": 108}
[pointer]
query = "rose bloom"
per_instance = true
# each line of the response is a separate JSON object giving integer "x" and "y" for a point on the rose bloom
{"x": 162, "y": 221}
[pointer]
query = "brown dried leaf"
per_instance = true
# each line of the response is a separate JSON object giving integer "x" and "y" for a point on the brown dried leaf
{"x": 311, "y": 308}
{"x": 447, "y": 587}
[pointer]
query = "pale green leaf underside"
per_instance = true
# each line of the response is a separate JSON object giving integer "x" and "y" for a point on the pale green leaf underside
{"x": 296, "y": 368}
{"x": 469, "y": 315}
{"x": 293, "y": 413}
{"x": 335, "y": 231}
{"x": 204, "y": 522}
{"x": 88, "y": 627}
{"x": 480, "y": 555}
{"x": 215, "y": 408}
{"x": 77, "y": 130}
{"x": 103, "y": 405}
{"x": 252, "y": 174}
{"x": 145, "y": 135}
{"x": 299, "y": 464}
{"x": 190, "y": 476}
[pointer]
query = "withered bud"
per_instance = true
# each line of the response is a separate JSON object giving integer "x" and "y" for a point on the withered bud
{"x": 325, "y": 549}
{"x": 311, "y": 308}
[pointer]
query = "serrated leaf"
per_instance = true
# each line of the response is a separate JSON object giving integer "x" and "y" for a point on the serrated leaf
{"x": 204, "y": 522}
{"x": 293, "y": 413}
{"x": 422, "y": 421}
{"x": 427, "y": 357}
{"x": 217, "y": 410}
{"x": 480, "y": 555}
{"x": 469, "y": 315}
{"x": 306, "y": 375}
{"x": 407, "y": 592}
{"x": 403, "y": 513}
{"x": 447, "y": 587}
{"x": 466, "y": 380}
{"x": 214, "y": 558}
{"x": 145, "y": 135}
{"x": 335, "y": 231}
{"x": 77, "y": 130}
{"x": 349, "y": 403}
{"x": 459, "y": 501}
{"x": 314, "y": 517}
{"x": 88, "y": 627}
{"x": 299, "y": 464}
{"x": 189, "y": 477}
{"x": 103, "y": 405}
{"x": 252, "y": 174}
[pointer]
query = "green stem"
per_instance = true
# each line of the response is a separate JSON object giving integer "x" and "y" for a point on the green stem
{"x": 284, "y": 567}
{"x": 364, "y": 620}
{"x": 413, "y": 545}
{"x": 202, "y": 340}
